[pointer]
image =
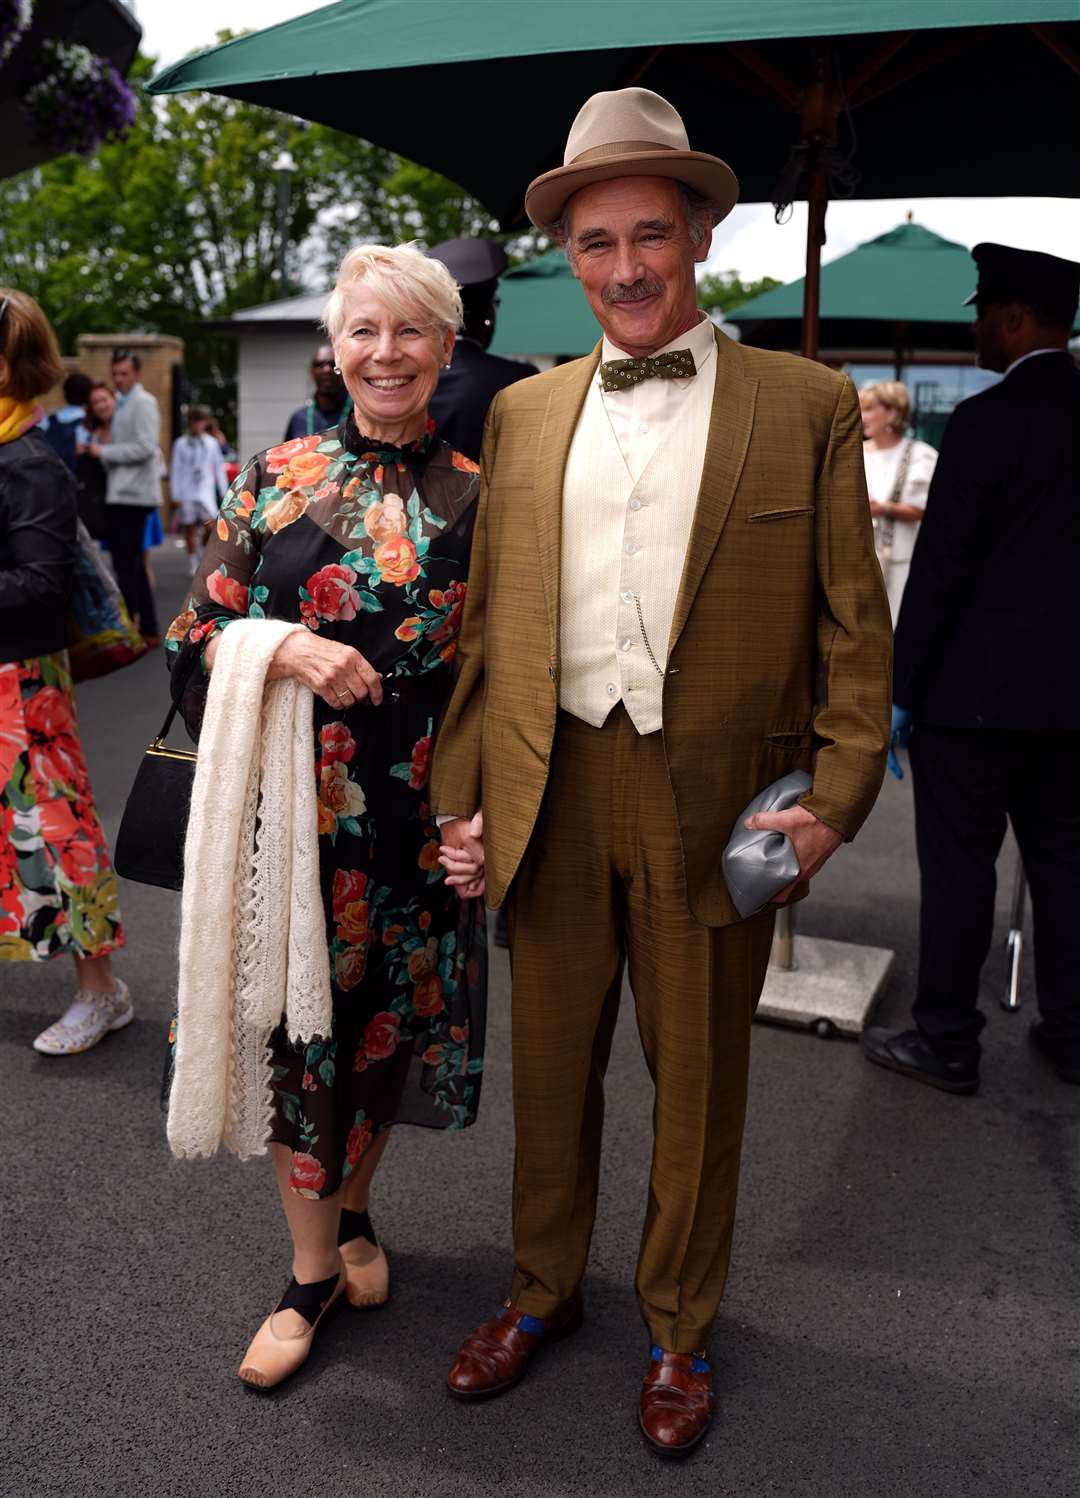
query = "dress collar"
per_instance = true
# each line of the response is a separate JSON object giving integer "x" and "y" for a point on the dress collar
{"x": 354, "y": 441}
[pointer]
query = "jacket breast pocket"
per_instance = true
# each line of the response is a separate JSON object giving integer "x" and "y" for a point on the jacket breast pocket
{"x": 792, "y": 513}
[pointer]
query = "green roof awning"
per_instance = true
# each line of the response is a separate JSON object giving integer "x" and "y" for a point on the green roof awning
{"x": 542, "y": 310}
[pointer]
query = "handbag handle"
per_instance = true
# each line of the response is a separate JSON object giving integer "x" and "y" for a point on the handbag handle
{"x": 177, "y": 687}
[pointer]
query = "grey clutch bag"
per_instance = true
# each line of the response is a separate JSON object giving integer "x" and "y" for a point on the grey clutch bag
{"x": 758, "y": 865}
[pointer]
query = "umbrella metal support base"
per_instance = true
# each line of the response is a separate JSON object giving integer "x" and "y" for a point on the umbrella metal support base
{"x": 831, "y": 989}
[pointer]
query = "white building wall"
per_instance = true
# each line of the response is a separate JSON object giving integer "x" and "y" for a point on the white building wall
{"x": 273, "y": 379}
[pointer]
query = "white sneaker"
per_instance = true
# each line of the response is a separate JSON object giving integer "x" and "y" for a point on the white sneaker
{"x": 86, "y": 1021}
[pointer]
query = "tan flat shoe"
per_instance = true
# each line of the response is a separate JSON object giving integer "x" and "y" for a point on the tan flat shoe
{"x": 367, "y": 1275}
{"x": 272, "y": 1357}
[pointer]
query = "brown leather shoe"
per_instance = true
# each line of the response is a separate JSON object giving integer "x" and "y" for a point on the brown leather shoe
{"x": 496, "y": 1355}
{"x": 676, "y": 1403}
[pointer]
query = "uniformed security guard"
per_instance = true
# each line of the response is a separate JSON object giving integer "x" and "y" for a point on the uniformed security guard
{"x": 330, "y": 402}
{"x": 474, "y": 377}
{"x": 985, "y": 673}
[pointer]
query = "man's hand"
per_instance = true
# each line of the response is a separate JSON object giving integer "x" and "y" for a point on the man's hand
{"x": 462, "y": 855}
{"x": 880, "y": 508}
{"x": 814, "y": 843}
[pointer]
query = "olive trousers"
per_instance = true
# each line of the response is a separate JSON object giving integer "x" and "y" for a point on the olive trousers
{"x": 602, "y": 885}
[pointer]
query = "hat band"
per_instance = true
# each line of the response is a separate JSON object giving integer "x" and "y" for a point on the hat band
{"x": 619, "y": 148}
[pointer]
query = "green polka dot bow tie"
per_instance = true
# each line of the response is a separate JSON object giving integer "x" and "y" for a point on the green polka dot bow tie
{"x": 624, "y": 374}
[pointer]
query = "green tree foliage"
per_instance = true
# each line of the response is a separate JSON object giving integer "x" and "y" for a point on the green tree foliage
{"x": 725, "y": 290}
{"x": 179, "y": 222}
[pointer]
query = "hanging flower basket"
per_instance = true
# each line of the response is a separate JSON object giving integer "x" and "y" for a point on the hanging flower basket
{"x": 15, "y": 18}
{"x": 76, "y": 100}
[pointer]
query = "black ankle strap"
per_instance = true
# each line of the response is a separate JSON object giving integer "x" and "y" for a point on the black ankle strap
{"x": 355, "y": 1225}
{"x": 308, "y": 1300}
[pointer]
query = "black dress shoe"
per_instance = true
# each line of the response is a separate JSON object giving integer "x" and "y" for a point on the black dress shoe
{"x": 907, "y": 1052}
{"x": 1067, "y": 1070}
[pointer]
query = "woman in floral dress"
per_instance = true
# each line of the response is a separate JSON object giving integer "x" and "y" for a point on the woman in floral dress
{"x": 57, "y": 889}
{"x": 362, "y": 533}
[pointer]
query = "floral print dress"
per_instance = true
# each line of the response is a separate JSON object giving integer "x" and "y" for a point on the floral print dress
{"x": 369, "y": 546}
{"x": 58, "y": 892}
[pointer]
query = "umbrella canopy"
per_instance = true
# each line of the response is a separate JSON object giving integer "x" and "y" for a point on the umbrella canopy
{"x": 837, "y": 98}
{"x": 903, "y": 289}
{"x": 107, "y": 27}
{"x": 486, "y": 93}
{"x": 542, "y": 310}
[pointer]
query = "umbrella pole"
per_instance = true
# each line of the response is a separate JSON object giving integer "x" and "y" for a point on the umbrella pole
{"x": 817, "y": 203}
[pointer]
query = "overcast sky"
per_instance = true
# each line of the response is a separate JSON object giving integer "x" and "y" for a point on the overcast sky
{"x": 749, "y": 241}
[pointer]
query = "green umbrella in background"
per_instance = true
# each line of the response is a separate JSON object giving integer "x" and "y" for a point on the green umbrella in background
{"x": 807, "y": 98}
{"x": 903, "y": 290}
{"x": 542, "y": 310}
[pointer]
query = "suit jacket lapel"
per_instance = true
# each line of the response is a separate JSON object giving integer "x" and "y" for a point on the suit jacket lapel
{"x": 556, "y": 434}
{"x": 730, "y": 425}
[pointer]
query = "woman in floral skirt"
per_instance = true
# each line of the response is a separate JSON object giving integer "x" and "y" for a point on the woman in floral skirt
{"x": 361, "y": 533}
{"x": 57, "y": 888}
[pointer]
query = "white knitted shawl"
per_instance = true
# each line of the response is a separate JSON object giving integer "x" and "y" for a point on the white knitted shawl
{"x": 252, "y": 927}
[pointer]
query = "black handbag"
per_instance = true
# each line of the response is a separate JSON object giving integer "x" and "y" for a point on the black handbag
{"x": 150, "y": 843}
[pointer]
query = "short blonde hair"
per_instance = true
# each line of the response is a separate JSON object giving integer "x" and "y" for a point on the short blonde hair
{"x": 895, "y": 396}
{"x": 28, "y": 346}
{"x": 404, "y": 279}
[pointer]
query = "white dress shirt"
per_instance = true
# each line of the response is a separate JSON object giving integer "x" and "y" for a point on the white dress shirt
{"x": 629, "y": 495}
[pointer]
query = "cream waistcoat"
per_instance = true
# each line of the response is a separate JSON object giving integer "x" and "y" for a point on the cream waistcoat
{"x": 629, "y": 495}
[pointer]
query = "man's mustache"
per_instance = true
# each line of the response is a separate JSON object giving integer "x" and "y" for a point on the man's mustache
{"x": 636, "y": 291}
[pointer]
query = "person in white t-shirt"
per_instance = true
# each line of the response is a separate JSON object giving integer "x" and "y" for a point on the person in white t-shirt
{"x": 898, "y": 474}
{"x": 197, "y": 481}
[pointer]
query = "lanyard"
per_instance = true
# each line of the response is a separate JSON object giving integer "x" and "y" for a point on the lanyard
{"x": 346, "y": 408}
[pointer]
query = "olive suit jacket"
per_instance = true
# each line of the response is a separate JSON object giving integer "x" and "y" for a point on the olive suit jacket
{"x": 779, "y": 656}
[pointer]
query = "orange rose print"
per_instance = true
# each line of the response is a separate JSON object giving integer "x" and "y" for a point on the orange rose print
{"x": 280, "y": 457}
{"x": 353, "y": 923}
{"x": 284, "y": 511}
{"x": 396, "y": 560}
{"x": 429, "y": 856}
{"x": 427, "y": 995}
{"x": 180, "y": 625}
{"x": 304, "y": 469}
{"x": 386, "y": 520}
{"x": 424, "y": 960}
{"x": 349, "y": 967}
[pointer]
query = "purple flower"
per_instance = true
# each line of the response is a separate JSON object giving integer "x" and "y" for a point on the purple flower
{"x": 75, "y": 100}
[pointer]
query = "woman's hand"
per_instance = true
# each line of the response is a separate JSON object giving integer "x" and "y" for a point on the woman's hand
{"x": 462, "y": 855}
{"x": 337, "y": 673}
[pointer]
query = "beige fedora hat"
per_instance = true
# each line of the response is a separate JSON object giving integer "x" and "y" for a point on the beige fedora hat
{"x": 629, "y": 132}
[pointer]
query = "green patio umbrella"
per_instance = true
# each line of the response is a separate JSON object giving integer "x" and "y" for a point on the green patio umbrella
{"x": 903, "y": 290}
{"x": 542, "y": 310}
{"x": 807, "y": 100}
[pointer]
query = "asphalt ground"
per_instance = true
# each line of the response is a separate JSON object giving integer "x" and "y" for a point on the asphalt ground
{"x": 901, "y": 1316}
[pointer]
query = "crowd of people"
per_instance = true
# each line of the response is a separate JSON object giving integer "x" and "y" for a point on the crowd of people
{"x": 542, "y": 639}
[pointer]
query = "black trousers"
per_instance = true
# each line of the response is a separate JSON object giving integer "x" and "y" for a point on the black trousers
{"x": 966, "y": 786}
{"x": 127, "y": 530}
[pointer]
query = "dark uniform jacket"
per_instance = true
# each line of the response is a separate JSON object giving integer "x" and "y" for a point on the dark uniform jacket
{"x": 465, "y": 392}
{"x": 986, "y": 637}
